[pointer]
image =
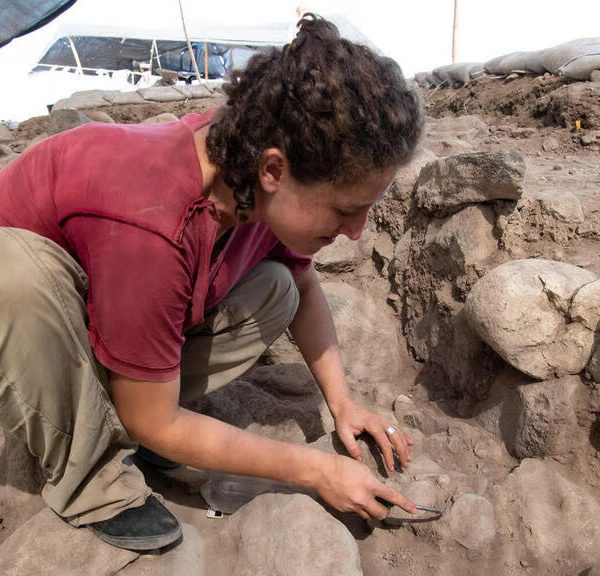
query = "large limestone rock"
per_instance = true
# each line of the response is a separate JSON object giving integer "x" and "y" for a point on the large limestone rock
{"x": 472, "y": 521}
{"x": 369, "y": 341}
{"x": 282, "y": 535}
{"x": 65, "y": 119}
{"x": 521, "y": 310}
{"x": 344, "y": 254}
{"x": 409, "y": 173}
{"x": 546, "y": 417}
{"x": 551, "y": 517}
{"x": 585, "y": 307}
{"x": 444, "y": 186}
{"x": 461, "y": 241}
{"x": 161, "y": 118}
{"x": 48, "y": 545}
{"x": 536, "y": 419}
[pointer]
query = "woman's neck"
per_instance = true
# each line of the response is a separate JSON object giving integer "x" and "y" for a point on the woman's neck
{"x": 214, "y": 188}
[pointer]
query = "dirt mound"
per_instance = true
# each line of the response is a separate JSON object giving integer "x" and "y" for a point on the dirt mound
{"x": 525, "y": 101}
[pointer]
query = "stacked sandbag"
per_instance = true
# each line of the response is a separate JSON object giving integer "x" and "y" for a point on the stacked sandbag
{"x": 451, "y": 76}
{"x": 576, "y": 60}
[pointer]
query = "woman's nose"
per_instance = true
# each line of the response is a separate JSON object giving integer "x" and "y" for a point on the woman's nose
{"x": 353, "y": 227}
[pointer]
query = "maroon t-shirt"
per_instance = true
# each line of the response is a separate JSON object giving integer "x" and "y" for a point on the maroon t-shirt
{"x": 126, "y": 201}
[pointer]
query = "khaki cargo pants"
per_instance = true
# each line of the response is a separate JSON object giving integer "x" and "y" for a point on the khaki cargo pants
{"x": 52, "y": 389}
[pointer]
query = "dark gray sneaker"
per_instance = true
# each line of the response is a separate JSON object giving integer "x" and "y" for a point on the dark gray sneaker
{"x": 148, "y": 527}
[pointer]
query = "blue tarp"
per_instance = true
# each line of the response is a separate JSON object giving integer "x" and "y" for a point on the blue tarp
{"x": 19, "y": 17}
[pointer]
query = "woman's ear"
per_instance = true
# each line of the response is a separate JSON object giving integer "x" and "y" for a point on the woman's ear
{"x": 272, "y": 168}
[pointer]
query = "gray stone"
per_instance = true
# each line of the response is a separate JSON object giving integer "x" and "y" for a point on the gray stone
{"x": 461, "y": 241}
{"x": 161, "y": 118}
{"x": 5, "y": 150}
{"x": 383, "y": 252}
{"x": 551, "y": 516}
{"x": 593, "y": 367}
{"x": 444, "y": 186}
{"x": 6, "y": 134}
{"x": 291, "y": 535}
{"x": 550, "y": 144}
{"x": 47, "y": 545}
{"x": 186, "y": 559}
{"x": 65, "y": 119}
{"x": 561, "y": 206}
{"x": 590, "y": 138}
{"x": 408, "y": 174}
{"x": 595, "y": 76}
{"x": 341, "y": 256}
{"x": 546, "y": 417}
{"x": 585, "y": 306}
{"x": 423, "y": 492}
{"x": 371, "y": 457}
{"x": 472, "y": 521}
{"x": 521, "y": 310}
{"x": 99, "y": 116}
{"x": 368, "y": 337}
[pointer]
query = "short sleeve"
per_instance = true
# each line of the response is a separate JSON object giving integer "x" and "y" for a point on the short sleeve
{"x": 295, "y": 262}
{"x": 139, "y": 292}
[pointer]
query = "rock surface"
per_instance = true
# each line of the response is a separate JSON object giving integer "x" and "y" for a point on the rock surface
{"x": 30, "y": 551}
{"x": 295, "y": 536}
{"x": 447, "y": 184}
{"x": 521, "y": 310}
{"x": 468, "y": 411}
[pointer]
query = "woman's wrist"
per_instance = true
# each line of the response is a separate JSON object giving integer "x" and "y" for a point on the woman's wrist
{"x": 337, "y": 404}
{"x": 316, "y": 468}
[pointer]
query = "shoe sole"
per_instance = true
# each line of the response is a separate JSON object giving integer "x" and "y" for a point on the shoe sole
{"x": 139, "y": 543}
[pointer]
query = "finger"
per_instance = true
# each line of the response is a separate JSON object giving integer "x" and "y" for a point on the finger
{"x": 350, "y": 443}
{"x": 376, "y": 510}
{"x": 394, "y": 497}
{"x": 400, "y": 444}
{"x": 409, "y": 440}
{"x": 384, "y": 443}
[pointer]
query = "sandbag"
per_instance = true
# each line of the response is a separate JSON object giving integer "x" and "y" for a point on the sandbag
{"x": 581, "y": 68}
{"x": 528, "y": 62}
{"x": 442, "y": 76}
{"x": 562, "y": 55}
{"x": 464, "y": 72}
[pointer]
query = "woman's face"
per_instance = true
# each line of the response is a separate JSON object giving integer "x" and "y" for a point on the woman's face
{"x": 306, "y": 217}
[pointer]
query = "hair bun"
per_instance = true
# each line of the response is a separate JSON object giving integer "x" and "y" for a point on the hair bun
{"x": 315, "y": 29}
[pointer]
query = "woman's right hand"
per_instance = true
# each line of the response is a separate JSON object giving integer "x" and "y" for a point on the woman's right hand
{"x": 350, "y": 486}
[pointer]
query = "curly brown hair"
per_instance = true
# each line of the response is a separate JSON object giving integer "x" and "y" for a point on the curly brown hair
{"x": 337, "y": 110}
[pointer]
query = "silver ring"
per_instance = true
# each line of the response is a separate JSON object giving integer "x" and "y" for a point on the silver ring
{"x": 390, "y": 430}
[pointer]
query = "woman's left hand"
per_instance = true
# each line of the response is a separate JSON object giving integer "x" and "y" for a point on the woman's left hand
{"x": 351, "y": 420}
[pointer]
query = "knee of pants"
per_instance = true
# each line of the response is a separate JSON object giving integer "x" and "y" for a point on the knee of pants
{"x": 279, "y": 290}
{"x": 39, "y": 290}
{"x": 22, "y": 282}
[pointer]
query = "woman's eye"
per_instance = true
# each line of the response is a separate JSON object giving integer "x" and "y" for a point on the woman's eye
{"x": 342, "y": 213}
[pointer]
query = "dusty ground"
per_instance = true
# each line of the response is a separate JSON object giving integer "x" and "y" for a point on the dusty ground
{"x": 537, "y": 117}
